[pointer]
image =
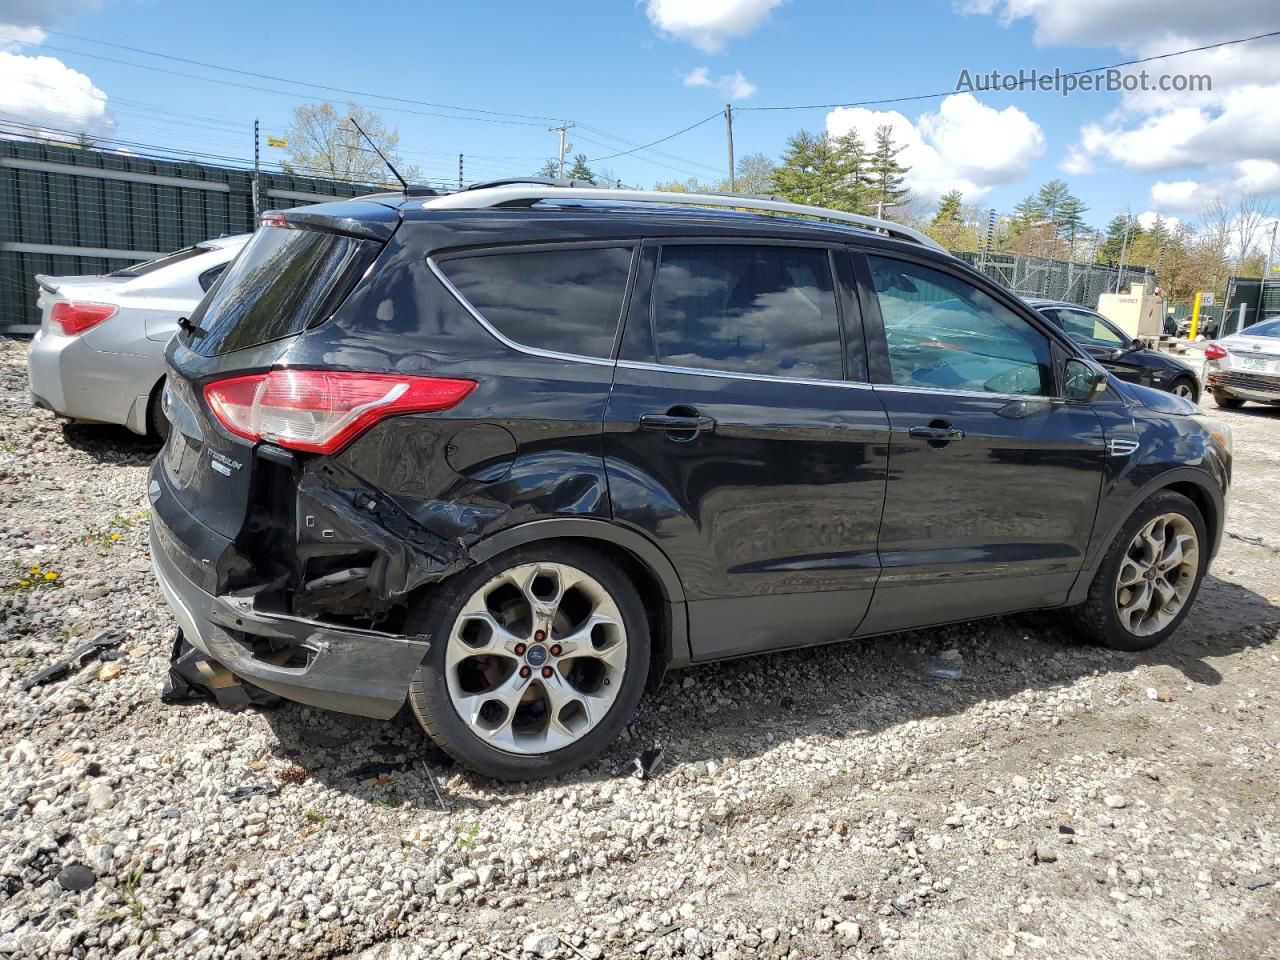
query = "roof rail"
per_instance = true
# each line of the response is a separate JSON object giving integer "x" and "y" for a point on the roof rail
{"x": 523, "y": 194}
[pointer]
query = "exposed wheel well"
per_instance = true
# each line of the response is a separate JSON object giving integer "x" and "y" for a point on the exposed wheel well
{"x": 652, "y": 597}
{"x": 1197, "y": 496}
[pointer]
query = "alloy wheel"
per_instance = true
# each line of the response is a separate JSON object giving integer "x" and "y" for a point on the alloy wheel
{"x": 1157, "y": 574}
{"x": 1185, "y": 390}
{"x": 536, "y": 657}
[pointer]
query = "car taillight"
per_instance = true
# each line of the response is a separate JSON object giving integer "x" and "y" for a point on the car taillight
{"x": 321, "y": 411}
{"x": 273, "y": 219}
{"x": 73, "y": 318}
{"x": 1214, "y": 352}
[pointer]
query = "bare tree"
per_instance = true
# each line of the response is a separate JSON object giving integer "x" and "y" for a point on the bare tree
{"x": 1251, "y": 213}
{"x": 323, "y": 143}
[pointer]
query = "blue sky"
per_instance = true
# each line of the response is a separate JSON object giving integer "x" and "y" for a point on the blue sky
{"x": 643, "y": 70}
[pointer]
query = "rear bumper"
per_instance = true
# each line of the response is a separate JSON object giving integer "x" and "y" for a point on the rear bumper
{"x": 351, "y": 671}
{"x": 1246, "y": 386}
{"x": 73, "y": 380}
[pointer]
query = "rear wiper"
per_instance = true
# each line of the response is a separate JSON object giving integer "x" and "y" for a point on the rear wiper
{"x": 191, "y": 328}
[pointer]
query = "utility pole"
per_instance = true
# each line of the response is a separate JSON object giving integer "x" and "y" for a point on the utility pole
{"x": 728, "y": 128}
{"x": 1124, "y": 246}
{"x": 256, "y": 210}
{"x": 459, "y": 171}
{"x": 1266, "y": 272}
{"x": 562, "y": 129}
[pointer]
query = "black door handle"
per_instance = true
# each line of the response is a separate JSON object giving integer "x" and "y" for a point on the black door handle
{"x": 676, "y": 426}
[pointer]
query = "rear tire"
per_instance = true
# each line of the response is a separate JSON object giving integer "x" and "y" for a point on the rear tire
{"x": 1227, "y": 402}
{"x": 1140, "y": 563}
{"x": 157, "y": 422}
{"x": 566, "y": 610}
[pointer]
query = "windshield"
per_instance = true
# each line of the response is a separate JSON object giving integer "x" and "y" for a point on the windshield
{"x": 283, "y": 281}
{"x": 1089, "y": 329}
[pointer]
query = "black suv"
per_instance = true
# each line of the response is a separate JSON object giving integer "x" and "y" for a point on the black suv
{"x": 1125, "y": 356}
{"x": 510, "y": 453}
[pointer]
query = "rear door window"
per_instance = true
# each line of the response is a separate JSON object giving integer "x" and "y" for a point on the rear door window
{"x": 743, "y": 308}
{"x": 562, "y": 300}
{"x": 283, "y": 281}
{"x": 1088, "y": 329}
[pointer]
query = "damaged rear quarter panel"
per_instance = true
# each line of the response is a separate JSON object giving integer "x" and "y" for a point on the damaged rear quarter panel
{"x": 418, "y": 492}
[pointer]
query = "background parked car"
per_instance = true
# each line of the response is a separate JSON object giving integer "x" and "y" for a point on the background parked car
{"x": 1122, "y": 355}
{"x": 1245, "y": 366}
{"x": 99, "y": 355}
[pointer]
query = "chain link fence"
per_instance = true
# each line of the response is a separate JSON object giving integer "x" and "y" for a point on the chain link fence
{"x": 1081, "y": 283}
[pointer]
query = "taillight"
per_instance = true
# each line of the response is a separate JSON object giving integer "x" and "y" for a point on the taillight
{"x": 73, "y": 318}
{"x": 1214, "y": 352}
{"x": 321, "y": 411}
{"x": 273, "y": 219}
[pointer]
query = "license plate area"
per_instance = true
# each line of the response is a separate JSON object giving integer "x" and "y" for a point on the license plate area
{"x": 1253, "y": 363}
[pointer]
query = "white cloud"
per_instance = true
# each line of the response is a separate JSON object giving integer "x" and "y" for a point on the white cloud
{"x": 966, "y": 145}
{"x": 708, "y": 24}
{"x": 1237, "y": 119}
{"x": 1147, "y": 219}
{"x": 698, "y": 77}
{"x": 14, "y": 37}
{"x": 46, "y": 93}
{"x": 1190, "y": 196}
{"x": 733, "y": 86}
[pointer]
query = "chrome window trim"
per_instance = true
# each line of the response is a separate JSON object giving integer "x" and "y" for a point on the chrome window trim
{"x": 506, "y": 341}
{"x": 979, "y": 394}
{"x": 735, "y": 375}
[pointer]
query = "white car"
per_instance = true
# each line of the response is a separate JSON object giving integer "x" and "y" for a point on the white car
{"x": 1245, "y": 366}
{"x": 99, "y": 355}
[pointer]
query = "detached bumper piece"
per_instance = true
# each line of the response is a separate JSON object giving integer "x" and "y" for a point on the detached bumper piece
{"x": 350, "y": 670}
{"x": 195, "y": 676}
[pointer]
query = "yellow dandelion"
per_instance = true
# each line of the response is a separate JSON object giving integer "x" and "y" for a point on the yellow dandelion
{"x": 24, "y": 583}
{"x": 51, "y": 575}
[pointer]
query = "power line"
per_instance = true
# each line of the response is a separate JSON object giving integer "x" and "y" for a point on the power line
{"x": 283, "y": 93}
{"x": 1073, "y": 73}
{"x": 301, "y": 83}
{"x": 670, "y": 136}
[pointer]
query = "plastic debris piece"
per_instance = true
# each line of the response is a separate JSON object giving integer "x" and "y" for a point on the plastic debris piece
{"x": 245, "y": 791}
{"x": 76, "y": 658}
{"x": 646, "y": 764}
{"x": 194, "y": 676}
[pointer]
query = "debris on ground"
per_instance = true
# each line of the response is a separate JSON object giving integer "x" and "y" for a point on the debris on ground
{"x": 947, "y": 665}
{"x": 194, "y": 676}
{"x": 76, "y": 658}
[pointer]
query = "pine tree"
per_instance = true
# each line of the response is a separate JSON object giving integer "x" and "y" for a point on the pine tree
{"x": 1116, "y": 244}
{"x": 1027, "y": 212}
{"x": 580, "y": 170}
{"x": 549, "y": 169}
{"x": 888, "y": 176}
{"x": 1051, "y": 198}
{"x": 949, "y": 208}
{"x": 848, "y": 186}
{"x": 1070, "y": 218}
{"x": 799, "y": 177}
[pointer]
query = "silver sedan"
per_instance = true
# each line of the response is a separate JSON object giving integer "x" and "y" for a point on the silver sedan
{"x": 99, "y": 355}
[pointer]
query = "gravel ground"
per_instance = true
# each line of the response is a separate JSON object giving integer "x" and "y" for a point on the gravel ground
{"x": 1055, "y": 801}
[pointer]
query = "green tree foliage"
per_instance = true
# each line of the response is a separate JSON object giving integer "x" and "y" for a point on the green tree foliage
{"x": 551, "y": 168}
{"x": 949, "y": 208}
{"x": 1122, "y": 233}
{"x": 580, "y": 170}
{"x": 824, "y": 171}
{"x": 887, "y": 173}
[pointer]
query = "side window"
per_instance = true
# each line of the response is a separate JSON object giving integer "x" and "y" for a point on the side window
{"x": 747, "y": 309}
{"x": 946, "y": 334}
{"x": 1086, "y": 328}
{"x": 212, "y": 274}
{"x": 568, "y": 301}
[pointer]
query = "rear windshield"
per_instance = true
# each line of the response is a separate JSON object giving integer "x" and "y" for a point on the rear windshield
{"x": 283, "y": 281}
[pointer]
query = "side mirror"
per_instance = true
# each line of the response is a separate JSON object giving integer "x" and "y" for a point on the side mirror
{"x": 1082, "y": 382}
{"x": 1137, "y": 343}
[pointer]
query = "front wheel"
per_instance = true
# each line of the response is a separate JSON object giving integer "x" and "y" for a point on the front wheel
{"x": 538, "y": 657}
{"x": 1149, "y": 577}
